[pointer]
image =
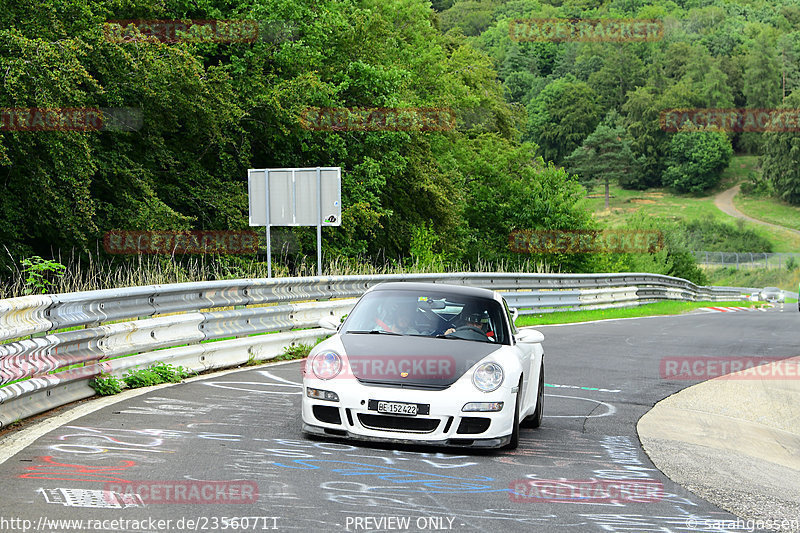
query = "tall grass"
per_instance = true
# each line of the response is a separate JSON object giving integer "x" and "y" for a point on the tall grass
{"x": 92, "y": 272}
{"x": 755, "y": 277}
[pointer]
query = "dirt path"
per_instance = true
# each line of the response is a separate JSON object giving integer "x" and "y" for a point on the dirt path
{"x": 724, "y": 202}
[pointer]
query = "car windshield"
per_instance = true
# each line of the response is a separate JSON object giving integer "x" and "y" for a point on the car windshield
{"x": 427, "y": 314}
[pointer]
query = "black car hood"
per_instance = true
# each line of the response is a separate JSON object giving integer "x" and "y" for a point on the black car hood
{"x": 428, "y": 362}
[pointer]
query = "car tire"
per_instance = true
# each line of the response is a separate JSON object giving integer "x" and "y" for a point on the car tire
{"x": 535, "y": 420}
{"x": 514, "y": 442}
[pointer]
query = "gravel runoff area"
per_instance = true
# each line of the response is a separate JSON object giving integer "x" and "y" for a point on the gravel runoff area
{"x": 734, "y": 441}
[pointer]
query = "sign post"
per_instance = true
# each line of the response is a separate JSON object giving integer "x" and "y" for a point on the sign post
{"x": 295, "y": 197}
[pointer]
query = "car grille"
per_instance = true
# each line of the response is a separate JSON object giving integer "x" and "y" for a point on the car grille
{"x": 396, "y": 385}
{"x": 398, "y": 423}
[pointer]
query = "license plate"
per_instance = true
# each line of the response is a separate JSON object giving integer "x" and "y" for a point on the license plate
{"x": 396, "y": 408}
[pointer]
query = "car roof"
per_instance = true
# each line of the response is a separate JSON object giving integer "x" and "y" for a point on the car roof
{"x": 455, "y": 290}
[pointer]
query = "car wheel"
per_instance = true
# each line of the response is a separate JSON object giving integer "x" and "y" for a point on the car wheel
{"x": 514, "y": 442}
{"x": 535, "y": 420}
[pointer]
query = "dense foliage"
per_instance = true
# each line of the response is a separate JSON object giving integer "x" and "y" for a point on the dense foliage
{"x": 716, "y": 236}
{"x": 211, "y": 110}
{"x": 695, "y": 160}
{"x": 712, "y": 54}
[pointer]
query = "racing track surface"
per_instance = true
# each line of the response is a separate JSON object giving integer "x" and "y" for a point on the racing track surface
{"x": 245, "y": 426}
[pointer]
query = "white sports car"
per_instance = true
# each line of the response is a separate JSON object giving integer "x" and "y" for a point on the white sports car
{"x": 426, "y": 363}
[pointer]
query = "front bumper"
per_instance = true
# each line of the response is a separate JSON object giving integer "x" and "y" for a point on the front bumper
{"x": 459, "y": 442}
{"x": 444, "y": 425}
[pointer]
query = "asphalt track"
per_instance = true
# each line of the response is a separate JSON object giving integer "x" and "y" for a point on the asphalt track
{"x": 244, "y": 427}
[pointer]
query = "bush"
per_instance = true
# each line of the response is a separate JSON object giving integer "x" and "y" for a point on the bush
{"x": 35, "y": 269}
{"x": 144, "y": 377}
{"x": 106, "y": 385}
{"x": 673, "y": 259}
{"x": 756, "y": 185}
{"x": 169, "y": 374}
{"x": 296, "y": 351}
{"x": 712, "y": 235}
{"x": 154, "y": 375}
{"x": 696, "y": 160}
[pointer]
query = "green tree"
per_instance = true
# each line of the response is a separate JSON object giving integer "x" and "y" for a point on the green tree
{"x": 696, "y": 160}
{"x": 622, "y": 71}
{"x": 762, "y": 72}
{"x": 649, "y": 141}
{"x": 781, "y": 152}
{"x": 604, "y": 156}
{"x": 510, "y": 188}
{"x": 561, "y": 117}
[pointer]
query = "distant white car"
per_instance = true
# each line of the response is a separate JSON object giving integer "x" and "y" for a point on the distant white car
{"x": 756, "y": 296}
{"x": 772, "y": 294}
{"x": 426, "y": 363}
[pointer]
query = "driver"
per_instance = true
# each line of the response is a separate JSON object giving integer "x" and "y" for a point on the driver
{"x": 472, "y": 320}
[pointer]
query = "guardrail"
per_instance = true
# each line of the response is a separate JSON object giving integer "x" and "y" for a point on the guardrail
{"x": 174, "y": 323}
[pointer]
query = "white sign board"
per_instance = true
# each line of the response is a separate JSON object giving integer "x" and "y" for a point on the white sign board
{"x": 295, "y": 196}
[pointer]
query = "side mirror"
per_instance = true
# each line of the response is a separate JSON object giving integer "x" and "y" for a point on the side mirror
{"x": 328, "y": 323}
{"x": 514, "y": 314}
{"x": 529, "y": 336}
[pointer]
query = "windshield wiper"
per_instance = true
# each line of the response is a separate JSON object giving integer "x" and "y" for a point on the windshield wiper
{"x": 451, "y": 337}
{"x": 375, "y": 332}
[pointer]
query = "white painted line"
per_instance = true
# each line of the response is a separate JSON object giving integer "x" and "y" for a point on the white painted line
{"x": 16, "y": 441}
{"x": 279, "y": 379}
{"x": 590, "y": 389}
{"x": 610, "y": 409}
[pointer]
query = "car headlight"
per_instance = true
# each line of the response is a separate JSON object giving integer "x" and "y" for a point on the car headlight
{"x": 326, "y": 365}
{"x": 488, "y": 377}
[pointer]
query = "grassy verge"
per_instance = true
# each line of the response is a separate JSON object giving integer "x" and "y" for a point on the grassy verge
{"x": 769, "y": 210}
{"x": 754, "y": 277}
{"x": 737, "y": 171}
{"x": 661, "y": 203}
{"x": 657, "y": 308}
